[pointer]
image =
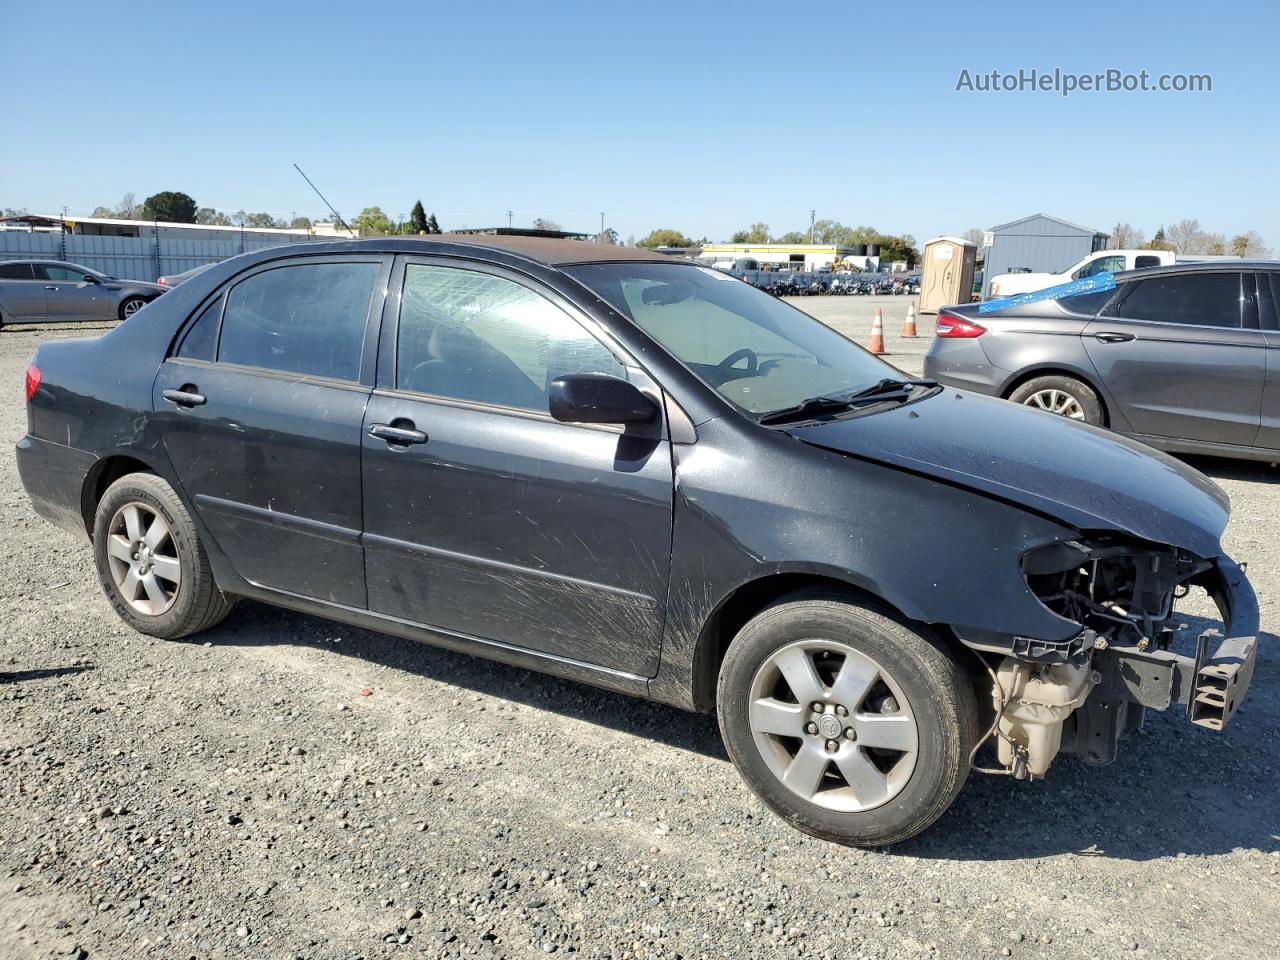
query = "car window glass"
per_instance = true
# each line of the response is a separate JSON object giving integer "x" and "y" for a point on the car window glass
{"x": 1269, "y": 300}
{"x": 1205, "y": 299}
{"x": 63, "y": 274}
{"x": 1146, "y": 261}
{"x": 306, "y": 318}
{"x": 16, "y": 271}
{"x": 201, "y": 338}
{"x": 473, "y": 336}
{"x": 1087, "y": 303}
{"x": 1101, "y": 265}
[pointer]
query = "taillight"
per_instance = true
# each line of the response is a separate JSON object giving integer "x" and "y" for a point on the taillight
{"x": 162, "y": 281}
{"x": 33, "y": 381}
{"x": 950, "y": 325}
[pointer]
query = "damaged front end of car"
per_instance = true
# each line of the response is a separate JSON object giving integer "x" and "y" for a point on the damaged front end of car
{"x": 1081, "y": 695}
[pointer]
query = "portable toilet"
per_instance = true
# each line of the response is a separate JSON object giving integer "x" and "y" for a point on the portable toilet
{"x": 946, "y": 274}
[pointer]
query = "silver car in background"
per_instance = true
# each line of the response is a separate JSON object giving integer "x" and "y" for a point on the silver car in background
{"x": 51, "y": 291}
{"x": 1185, "y": 357}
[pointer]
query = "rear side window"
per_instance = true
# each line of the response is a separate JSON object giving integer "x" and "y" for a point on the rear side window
{"x": 473, "y": 336}
{"x": 306, "y": 318}
{"x": 201, "y": 339}
{"x": 16, "y": 271}
{"x": 1202, "y": 299}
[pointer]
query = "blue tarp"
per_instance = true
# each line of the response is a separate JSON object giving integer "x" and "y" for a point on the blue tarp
{"x": 1095, "y": 284}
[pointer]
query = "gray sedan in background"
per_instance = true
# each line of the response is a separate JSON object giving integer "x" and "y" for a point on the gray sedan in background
{"x": 51, "y": 291}
{"x": 1185, "y": 358}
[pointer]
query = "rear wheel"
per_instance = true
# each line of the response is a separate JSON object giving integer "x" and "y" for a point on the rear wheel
{"x": 851, "y": 725}
{"x": 1065, "y": 396}
{"x": 150, "y": 561}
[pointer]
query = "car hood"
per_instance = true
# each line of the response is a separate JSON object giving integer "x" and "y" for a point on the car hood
{"x": 137, "y": 286}
{"x": 1080, "y": 475}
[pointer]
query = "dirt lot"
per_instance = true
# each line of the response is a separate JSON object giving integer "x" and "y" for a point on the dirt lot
{"x": 241, "y": 797}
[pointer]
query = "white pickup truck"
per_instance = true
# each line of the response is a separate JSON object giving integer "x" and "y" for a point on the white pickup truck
{"x": 1101, "y": 261}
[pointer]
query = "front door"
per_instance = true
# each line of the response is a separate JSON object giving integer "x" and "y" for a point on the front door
{"x": 1176, "y": 357}
{"x": 486, "y": 518}
{"x": 260, "y": 410}
{"x": 70, "y": 296}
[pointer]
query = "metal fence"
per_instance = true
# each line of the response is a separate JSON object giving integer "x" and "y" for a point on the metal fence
{"x": 129, "y": 258}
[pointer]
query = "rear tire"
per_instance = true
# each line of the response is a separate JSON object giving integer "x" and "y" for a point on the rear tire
{"x": 150, "y": 561}
{"x": 889, "y": 750}
{"x": 1065, "y": 396}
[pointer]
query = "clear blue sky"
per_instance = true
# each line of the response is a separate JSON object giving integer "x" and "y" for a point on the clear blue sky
{"x": 701, "y": 117}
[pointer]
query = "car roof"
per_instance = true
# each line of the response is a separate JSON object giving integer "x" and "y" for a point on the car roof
{"x": 548, "y": 252}
{"x": 1196, "y": 266}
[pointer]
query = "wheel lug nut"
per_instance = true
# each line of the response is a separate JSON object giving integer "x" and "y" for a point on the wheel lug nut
{"x": 817, "y": 707}
{"x": 832, "y": 746}
{"x": 841, "y": 710}
{"x": 851, "y": 734}
{"x": 810, "y": 728}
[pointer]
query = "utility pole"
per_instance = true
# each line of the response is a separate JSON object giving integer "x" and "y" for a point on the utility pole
{"x": 508, "y": 219}
{"x": 812, "y": 213}
{"x": 601, "y": 237}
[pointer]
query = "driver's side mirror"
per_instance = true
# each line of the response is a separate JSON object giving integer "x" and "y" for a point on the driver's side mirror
{"x": 86, "y": 278}
{"x": 598, "y": 398}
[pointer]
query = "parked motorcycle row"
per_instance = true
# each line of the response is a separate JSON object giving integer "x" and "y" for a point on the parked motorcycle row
{"x": 797, "y": 284}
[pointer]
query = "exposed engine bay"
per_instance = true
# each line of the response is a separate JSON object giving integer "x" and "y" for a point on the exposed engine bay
{"x": 1082, "y": 695}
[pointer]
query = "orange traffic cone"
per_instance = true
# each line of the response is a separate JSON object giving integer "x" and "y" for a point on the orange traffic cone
{"x": 877, "y": 334}
{"x": 909, "y": 328}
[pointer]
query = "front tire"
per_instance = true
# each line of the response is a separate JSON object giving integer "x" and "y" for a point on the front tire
{"x": 150, "y": 561}
{"x": 1065, "y": 396}
{"x": 131, "y": 305}
{"x": 849, "y": 724}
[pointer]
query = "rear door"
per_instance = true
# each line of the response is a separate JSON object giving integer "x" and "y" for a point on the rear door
{"x": 485, "y": 517}
{"x": 21, "y": 294}
{"x": 1175, "y": 356}
{"x": 69, "y": 296}
{"x": 260, "y": 409}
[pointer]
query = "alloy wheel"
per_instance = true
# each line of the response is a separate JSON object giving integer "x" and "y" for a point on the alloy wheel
{"x": 833, "y": 726}
{"x": 1056, "y": 401}
{"x": 132, "y": 306}
{"x": 144, "y": 559}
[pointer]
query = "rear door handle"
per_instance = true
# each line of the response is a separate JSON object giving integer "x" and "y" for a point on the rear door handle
{"x": 402, "y": 436}
{"x": 184, "y": 398}
{"x": 1110, "y": 337}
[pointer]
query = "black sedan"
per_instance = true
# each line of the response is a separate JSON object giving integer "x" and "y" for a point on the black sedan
{"x": 647, "y": 475}
{"x": 1185, "y": 357}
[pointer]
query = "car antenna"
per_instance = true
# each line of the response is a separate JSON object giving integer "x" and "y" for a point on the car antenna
{"x": 336, "y": 215}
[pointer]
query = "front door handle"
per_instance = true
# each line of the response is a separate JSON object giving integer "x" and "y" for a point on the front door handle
{"x": 399, "y": 433}
{"x": 50, "y": 287}
{"x": 1110, "y": 337}
{"x": 186, "y": 397}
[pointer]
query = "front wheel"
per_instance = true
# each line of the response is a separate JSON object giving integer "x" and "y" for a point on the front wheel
{"x": 849, "y": 724}
{"x": 150, "y": 561}
{"x": 131, "y": 305}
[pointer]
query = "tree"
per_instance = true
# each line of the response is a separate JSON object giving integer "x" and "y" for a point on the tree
{"x": 609, "y": 236}
{"x": 975, "y": 236}
{"x": 262, "y": 220}
{"x": 795, "y": 236}
{"x": 666, "y": 238}
{"x": 1250, "y": 244}
{"x": 1187, "y": 237}
{"x": 418, "y": 219}
{"x": 168, "y": 206}
{"x": 1215, "y": 244}
{"x": 1158, "y": 242}
{"x": 1125, "y": 236}
{"x": 300, "y": 223}
{"x": 106, "y": 212}
{"x": 756, "y": 233}
{"x": 212, "y": 218}
{"x": 432, "y": 225}
{"x": 542, "y": 223}
{"x": 372, "y": 222}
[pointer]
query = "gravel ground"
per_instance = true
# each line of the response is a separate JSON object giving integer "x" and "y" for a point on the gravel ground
{"x": 285, "y": 787}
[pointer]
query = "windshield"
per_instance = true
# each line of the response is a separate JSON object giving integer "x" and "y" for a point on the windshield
{"x": 756, "y": 351}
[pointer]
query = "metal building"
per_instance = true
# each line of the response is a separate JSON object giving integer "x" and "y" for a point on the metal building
{"x": 1036, "y": 244}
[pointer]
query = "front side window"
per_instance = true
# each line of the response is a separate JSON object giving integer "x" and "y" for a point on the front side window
{"x": 306, "y": 318}
{"x": 1201, "y": 299}
{"x": 756, "y": 351}
{"x": 476, "y": 337}
{"x": 63, "y": 274}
